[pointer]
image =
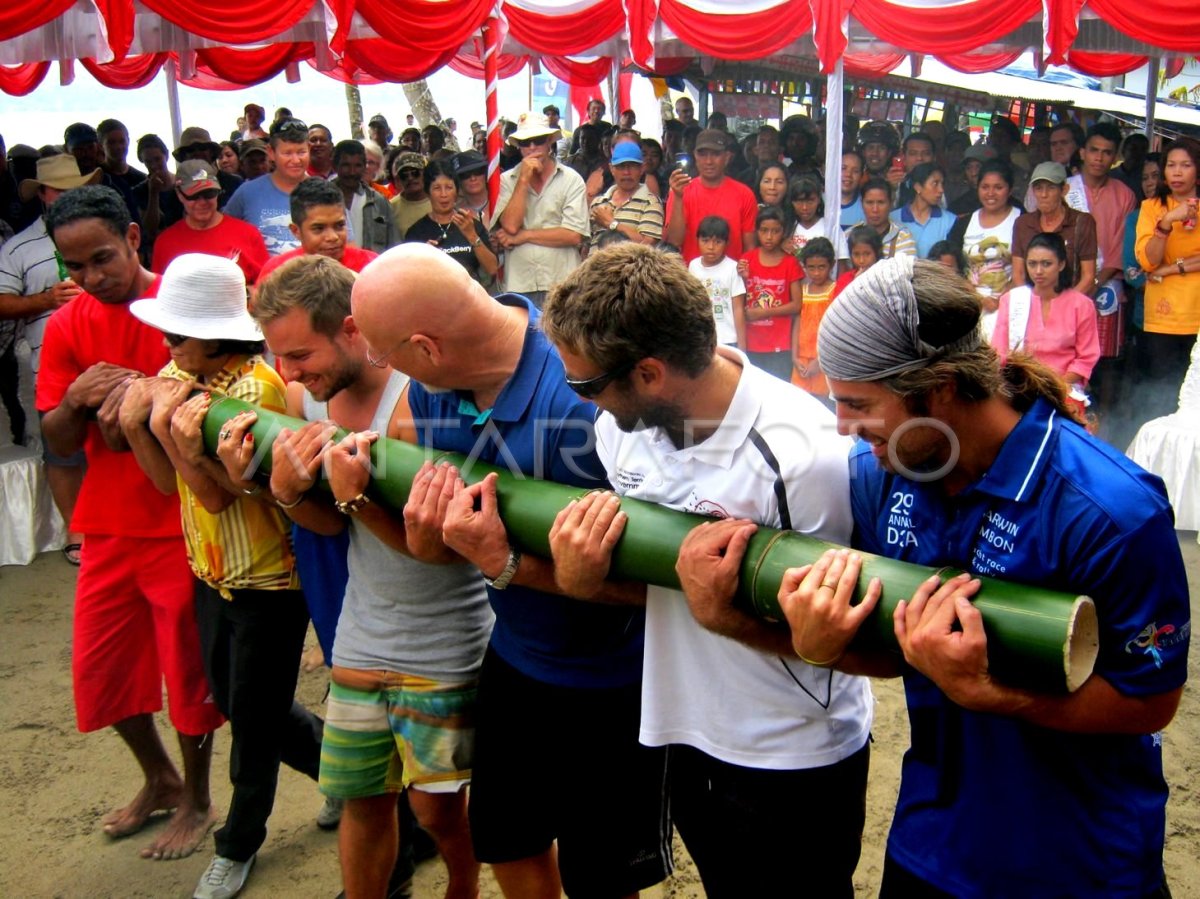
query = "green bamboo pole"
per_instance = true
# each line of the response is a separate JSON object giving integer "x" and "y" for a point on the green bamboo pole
{"x": 1036, "y": 637}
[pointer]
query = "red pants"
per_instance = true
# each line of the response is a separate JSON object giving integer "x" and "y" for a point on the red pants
{"x": 135, "y": 626}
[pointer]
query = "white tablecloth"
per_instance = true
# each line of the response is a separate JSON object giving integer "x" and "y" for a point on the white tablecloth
{"x": 29, "y": 522}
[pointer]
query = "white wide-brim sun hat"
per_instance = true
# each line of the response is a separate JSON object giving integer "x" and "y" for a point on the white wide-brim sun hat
{"x": 200, "y": 296}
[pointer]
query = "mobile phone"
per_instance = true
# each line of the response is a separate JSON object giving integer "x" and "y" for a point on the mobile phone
{"x": 684, "y": 161}
{"x": 897, "y": 162}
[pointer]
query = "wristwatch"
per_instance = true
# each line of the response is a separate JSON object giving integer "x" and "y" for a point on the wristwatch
{"x": 504, "y": 578}
{"x": 350, "y": 506}
{"x": 612, "y": 226}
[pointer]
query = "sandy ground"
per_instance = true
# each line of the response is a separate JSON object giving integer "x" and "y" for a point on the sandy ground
{"x": 56, "y": 783}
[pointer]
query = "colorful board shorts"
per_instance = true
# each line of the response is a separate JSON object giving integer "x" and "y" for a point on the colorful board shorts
{"x": 386, "y": 731}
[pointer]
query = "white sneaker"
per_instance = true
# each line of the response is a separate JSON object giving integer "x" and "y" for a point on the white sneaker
{"x": 224, "y": 878}
{"x": 330, "y": 814}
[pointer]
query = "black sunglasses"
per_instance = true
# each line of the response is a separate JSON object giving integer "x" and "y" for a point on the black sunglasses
{"x": 289, "y": 125}
{"x": 406, "y": 174}
{"x": 589, "y": 388}
{"x": 202, "y": 195}
{"x": 533, "y": 141}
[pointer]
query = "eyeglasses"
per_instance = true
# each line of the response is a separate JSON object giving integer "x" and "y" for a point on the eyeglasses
{"x": 380, "y": 361}
{"x": 589, "y": 388}
{"x": 174, "y": 339}
{"x": 201, "y": 195}
{"x": 534, "y": 141}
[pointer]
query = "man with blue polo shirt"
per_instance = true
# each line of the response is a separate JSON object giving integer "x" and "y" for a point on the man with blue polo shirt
{"x": 1003, "y": 791}
{"x": 560, "y": 685}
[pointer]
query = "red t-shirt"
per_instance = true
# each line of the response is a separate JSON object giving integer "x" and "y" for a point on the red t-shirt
{"x": 731, "y": 200}
{"x": 117, "y": 499}
{"x": 844, "y": 280}
{"x": 770, "y": 285}
{"x": 354, "y": 258}
{"x": 231, "y": 238}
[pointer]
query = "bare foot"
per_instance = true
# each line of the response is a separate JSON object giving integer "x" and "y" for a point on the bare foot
{"x": 183, "y": 835}
{"x": 312, "y": 659}
{"x": 150, "y": 800}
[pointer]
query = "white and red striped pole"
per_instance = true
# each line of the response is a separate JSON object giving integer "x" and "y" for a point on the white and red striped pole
{"x": 491, "y": 80}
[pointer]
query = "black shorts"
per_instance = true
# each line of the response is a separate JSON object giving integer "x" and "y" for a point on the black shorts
{"x": 754, "y": 832}
{"x": 564, "y": 763}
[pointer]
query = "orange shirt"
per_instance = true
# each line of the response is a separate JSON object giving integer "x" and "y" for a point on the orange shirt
{"x": 117, "y": 498}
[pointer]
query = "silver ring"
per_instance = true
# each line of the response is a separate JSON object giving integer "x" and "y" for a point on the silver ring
{"x": 226, "y": 434}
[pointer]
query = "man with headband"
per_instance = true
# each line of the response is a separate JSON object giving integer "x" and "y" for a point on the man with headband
{"x": 965, "y": 463}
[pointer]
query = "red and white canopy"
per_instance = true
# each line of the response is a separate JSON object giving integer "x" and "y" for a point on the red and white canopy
{"x": 232, "y": 43}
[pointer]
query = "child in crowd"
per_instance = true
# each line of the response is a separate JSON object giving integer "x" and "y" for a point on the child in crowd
{"x": 949, "y": 255}
{"x": 773, "y": 295}
{"x": 719, "y": 275}
{"x": 808, "y": 203}
{"x": 817, "y": 259}
{"x": 866, "y": 248}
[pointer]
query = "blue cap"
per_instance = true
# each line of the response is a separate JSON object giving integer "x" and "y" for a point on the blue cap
{"x": 629, "y": 151}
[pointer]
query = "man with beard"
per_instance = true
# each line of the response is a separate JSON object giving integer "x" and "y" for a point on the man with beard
{"x": 698, "y": 429}
{"x": 410, "y": 636}
{"x": 1049, "y": 795}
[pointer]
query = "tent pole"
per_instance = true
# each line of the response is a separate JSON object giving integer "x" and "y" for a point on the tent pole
{"x": 491, "y": 80}
{"x": 173, "y": 100}
{"x": 1151, "y": 97}
{"x": 835, "y": 95}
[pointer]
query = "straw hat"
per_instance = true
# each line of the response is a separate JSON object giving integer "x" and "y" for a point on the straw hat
{"x": 60, "y": 172}
{"x": 200, "y": 296}
{"x": 531, "y": 125}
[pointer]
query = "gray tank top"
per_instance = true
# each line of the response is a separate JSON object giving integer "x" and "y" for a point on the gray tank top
{"x": 400, "y": 614}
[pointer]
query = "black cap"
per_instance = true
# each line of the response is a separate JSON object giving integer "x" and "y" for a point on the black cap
{"x": 467, "y": 162}
{"x": 79, "y": 134}
{"x": 378, "y": 119}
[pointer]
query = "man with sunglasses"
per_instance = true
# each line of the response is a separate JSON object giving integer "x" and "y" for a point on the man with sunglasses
{"x": 411, "y": 204}
{"x": 197, "y": 143}
{"x": 697, "y": 428}
{"x": 204, "y": 228}
{"x": 562, "y": 795}
{"x": 542, "y": 213}
{"x": 263, "y": 202}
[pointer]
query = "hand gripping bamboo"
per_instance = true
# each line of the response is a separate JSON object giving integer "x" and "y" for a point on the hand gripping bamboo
{"x": 1037, "y": 638}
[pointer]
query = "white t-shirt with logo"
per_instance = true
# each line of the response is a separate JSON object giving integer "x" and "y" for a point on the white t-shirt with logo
{"x": 776, "y": 459}
{"x": 723, "y": 283}
{"x": 801, "y": 236}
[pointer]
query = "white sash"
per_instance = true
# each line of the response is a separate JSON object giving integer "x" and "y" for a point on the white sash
{"x": 1077, "y": 199}
{"x": 1019, "y": 300}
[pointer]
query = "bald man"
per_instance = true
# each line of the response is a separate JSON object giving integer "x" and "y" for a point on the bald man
{"x": 563, "y": 674}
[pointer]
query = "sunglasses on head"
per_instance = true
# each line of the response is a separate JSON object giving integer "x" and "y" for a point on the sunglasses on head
{"x": 534, "y": 141}
{"x": 589, "y": 388}
{"x": 289, "y": 126}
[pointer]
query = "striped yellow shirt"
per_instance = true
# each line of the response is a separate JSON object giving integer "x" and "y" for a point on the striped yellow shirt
{"x": 247, "y": 546}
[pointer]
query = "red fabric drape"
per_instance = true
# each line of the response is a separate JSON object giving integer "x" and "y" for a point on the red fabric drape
{"x": 19, "y": 16}
{"x": 241, "y": 22}
{"x": 942, "y": 30}
{"x": 415, "y": 26}
{"x": 579, "y": 74}
{"x": 20, "y": 80}
{"x": 1062, "y": 24}
{"x": 827, "y": 30}
{"x": 133, "y": 71}
{"x": 871, "y": 65}
{"x": 385, "y": 61}
{"x": 566, "y": 35}
{"x": 739, "y": 35}
{"x": 118, "y": 20}
{"x": 472, "y": 66}
{"x": 1103, "y": 64}
{"x": 666, "y": 66}
{"x": 346, "y": 72}
{"x": 250, "y": 66}
{"x": 640, "y": 16}
{"x": 976, "y": 63}
{"x": 1169, "y": 24}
